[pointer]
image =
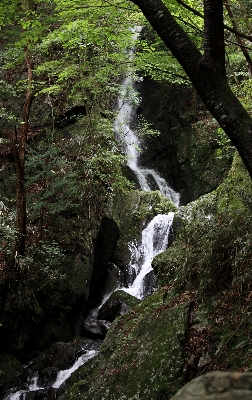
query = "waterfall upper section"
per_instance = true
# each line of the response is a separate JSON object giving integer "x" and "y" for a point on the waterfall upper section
{"x": 148, "y": 179}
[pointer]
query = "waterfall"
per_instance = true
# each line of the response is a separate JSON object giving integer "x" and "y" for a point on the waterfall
{"x": 65, "y": 374}
{"x": 62, "y": 376}
{"x": 155, "y": 236}
{"x": 132, "y": 144}
{"x": 154, "y": 241}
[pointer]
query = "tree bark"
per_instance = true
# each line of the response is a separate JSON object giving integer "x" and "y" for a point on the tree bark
{"x": 207, "y": 78}
{"x": 214, "y": 47}
{"x": 19, "y": 151}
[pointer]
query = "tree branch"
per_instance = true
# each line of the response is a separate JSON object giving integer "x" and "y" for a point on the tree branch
{"x": 229, "y": 28}
{"x": 209, "y": 81}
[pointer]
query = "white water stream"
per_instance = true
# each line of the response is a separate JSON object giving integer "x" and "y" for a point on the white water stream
{"x": 132, "y": 145}
{"x": 62, "y": 376}
{"x": 155, "y": 236}
{"x": 154, "y": 241}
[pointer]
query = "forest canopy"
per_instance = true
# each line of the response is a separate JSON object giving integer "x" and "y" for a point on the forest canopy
{"x": 59, "y": 55}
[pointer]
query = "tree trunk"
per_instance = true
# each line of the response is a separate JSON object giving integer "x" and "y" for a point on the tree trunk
{"x": 19, "y": 151}
{"x": 214, "y": 47}
{"x": 207, "y": 78}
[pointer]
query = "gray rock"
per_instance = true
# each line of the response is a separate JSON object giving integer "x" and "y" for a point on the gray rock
{"x": 218, "y": 386}
{"x": 95, "y": 328}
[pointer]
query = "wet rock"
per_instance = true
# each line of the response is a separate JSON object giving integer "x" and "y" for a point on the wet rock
{"x": 118, "y": 304}
{"x": 38, "y": 395}
{"x": 113, "y": 278}
{"x": 95, "y": 328}
{"x": 128, "y": 275}
{"x": 103, "y": 254}
{"x": 149, "y": 284}
{"x": 218, "y": 386}
{"x": 61, "y": 356}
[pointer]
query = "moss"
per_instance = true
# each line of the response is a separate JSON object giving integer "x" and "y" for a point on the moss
{"x": 214, "y": 240}
{"x": 113, "y": 307}
{"x": 141, "y": 357}
{"x": 79, "y": 274}
{"x": 211, "y": 255}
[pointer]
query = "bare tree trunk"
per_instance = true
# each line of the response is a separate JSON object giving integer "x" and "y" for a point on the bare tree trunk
{"x": 19, "y": 151}
{"x": 208, "y": 80}
{"x": 214, "y": 47}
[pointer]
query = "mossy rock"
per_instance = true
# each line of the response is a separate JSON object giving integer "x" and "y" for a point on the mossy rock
{"x": 188, "y": 152}
{"x": 78, "y": 270}
{"x": 213, "y": 237}
{"x": 218, "y": 386}
{"x": 141, "y": 357}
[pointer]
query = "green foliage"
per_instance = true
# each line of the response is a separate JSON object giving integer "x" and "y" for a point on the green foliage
{"x": 153, "y": 59}
{"x": 213, "y": 248}
{"x": 74, "y": 175}
{"x": 8, "y": 232}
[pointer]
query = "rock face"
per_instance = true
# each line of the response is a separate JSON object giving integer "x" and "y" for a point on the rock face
{"x": 187, "y": 152}
{"x": 103, "y": 253}
{"x": 218, "y": 386}
{"x": 10, "y": 371}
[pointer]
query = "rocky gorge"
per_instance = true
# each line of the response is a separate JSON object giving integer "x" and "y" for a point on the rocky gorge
{"x": 196, "y": 319}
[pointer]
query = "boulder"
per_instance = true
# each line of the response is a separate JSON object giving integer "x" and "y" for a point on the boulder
{"x": 149, "y": 284}
{"x": 218, "y": 386}
{"x": 118, "y": 304}
{"x": 95, "y": 328}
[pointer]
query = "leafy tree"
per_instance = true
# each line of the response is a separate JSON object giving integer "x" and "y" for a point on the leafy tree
{"x": 206, "y": 69}
{"x": 61, "y": 54}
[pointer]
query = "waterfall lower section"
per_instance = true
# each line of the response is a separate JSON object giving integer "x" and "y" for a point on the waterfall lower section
{"x": 154, "y": 241}
{"x": 38, "y": 388}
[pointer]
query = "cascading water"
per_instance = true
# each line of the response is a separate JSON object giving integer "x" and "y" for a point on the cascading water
{"x": 154, "y": 241}
{"x": 33, "y": 385}
{"x": 155, "y": 235}
{"x": 132, "y": 144}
